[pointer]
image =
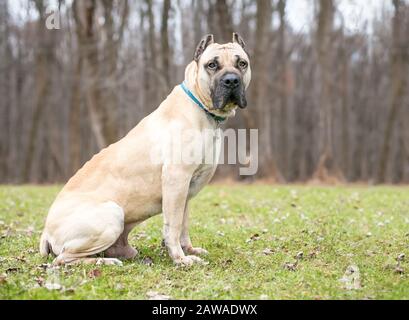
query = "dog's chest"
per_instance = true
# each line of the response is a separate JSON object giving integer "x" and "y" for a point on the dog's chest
{"x": 210, "y": 160}
{"x": 200, "y": 178}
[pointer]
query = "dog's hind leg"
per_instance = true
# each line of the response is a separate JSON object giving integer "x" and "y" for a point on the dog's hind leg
{"x": 121, "y": 248}
{"x": 87, "y": 232}
{"x": 45, "y": 247}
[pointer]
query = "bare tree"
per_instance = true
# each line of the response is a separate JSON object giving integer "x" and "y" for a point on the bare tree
{"x": 283, "y": 83}
{"x": 327, "y": 168}
{"x": 166, "y": 55}
{"x": 44, "y": 56}
{"x": 113, "y": 33}
{"x": 84, "y": 14}
{"x": 197, "y": 20}
{"x": 67, "y": 93}
{"x": 5, "y": 51}
{"x": 220, "y": 20}
{"x": 399, "y": 75}
{"x": 267, "y": 166}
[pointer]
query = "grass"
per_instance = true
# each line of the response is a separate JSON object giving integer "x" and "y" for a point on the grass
{"x": 333, "y": 228}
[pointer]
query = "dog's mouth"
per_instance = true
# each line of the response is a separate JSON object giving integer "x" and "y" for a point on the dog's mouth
{"x": 226, "y": 100}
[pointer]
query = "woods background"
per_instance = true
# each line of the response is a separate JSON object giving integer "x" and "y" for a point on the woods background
{"x": 331, "y": 102}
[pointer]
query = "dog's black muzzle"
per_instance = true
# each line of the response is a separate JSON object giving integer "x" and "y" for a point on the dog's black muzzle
{"x": 228, "y": 90}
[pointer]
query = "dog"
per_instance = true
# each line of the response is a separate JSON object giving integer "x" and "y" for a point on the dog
{"x": 122, "y": 186}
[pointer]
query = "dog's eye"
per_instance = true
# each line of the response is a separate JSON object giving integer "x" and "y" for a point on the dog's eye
{"x": 243, "y": 64}
{"x": 212, "y": 65}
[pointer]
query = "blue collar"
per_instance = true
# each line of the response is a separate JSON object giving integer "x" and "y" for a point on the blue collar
{"x": 219, "y": 120}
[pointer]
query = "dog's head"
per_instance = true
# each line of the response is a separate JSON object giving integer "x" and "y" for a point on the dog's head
{"x": 220, "y": 74}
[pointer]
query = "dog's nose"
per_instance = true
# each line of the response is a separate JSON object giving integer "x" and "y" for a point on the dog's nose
{"x": 231, "y": 80}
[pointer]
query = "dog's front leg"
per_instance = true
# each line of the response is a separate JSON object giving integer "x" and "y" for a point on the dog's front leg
{"x": 185, "y": 238}
{"x": 175, "y": 189}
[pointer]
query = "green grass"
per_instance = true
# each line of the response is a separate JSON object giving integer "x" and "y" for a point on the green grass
{"x": 333, "y": 228}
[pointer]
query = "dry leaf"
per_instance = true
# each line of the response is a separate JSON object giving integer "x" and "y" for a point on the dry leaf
{"x": 95, "y": 273}
{"x": 227, "y": 262}
{"x": 40, "y": 281}
{"x": 3, "y": 278}
{"x": 351, "y": 278}
{"x": 254, "y": 237}
{"x": 399, "y": 270}
{"x": 290, "y": 266}
{"x": 45, "y": 266}
{"x": 148, "y": 261}
{"x": 53, "y": 286}
{"x": 119, "y": 287}
{"x": 153, "y": 295}
{"x": 227, "y": 288}
{"x": 141, "y": 235}
{"x": 268, "y": 252}
{"x": 12, "y": 269}
{"x": 69, "y": 290}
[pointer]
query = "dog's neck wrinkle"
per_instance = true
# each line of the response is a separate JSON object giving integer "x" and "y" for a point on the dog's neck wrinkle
{"x": 207, "y": 103}
{"x": 191, "y": 82}
{"x": 197, "y": 109}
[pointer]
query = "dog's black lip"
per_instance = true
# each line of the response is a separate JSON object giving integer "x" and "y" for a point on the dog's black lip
{"x": 222, "y": 97}
{"x": 236, "y": 99}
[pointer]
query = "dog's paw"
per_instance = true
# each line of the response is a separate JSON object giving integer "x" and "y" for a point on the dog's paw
{"x": 109, "y": 262}
{"x": 187, "y": 261}
{"x": 197, "y": 251}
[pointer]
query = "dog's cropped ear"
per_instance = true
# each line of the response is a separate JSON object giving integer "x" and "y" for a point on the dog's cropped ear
{"x": 204, "y": 43}
{"x": 239, "y": 40}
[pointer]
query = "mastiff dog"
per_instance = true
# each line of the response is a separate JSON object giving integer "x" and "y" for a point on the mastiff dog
{"x": 135, "y": 179}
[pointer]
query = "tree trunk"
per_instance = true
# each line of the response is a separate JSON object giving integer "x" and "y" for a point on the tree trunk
{"x": 282, "y": 57}
{"x": 224, "y": 23}
{"x": 44, "y": 57}
{"x": 263, "y": 109}
{"x": 165, "y": 44}
{"x": 107, "y": 80}
{"x": 146, "y": 108}
{"x": 327, "y": 169}
{"x": 5, "y": 92}
{"x": 197, "y": 18}
{"x": 113, "y": 31}
{"x": 399, "y": 81}
{"x": 84, "y": 14}
{"x": 345, "y": 110}
{"x": 152, "y": 69}
{"x": 74, "y": 124}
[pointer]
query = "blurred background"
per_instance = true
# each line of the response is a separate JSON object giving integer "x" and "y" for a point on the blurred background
{"x": 330, "y": 90}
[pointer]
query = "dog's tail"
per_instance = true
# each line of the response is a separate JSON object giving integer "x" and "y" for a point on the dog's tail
{"x": 45, "y": 247}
